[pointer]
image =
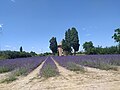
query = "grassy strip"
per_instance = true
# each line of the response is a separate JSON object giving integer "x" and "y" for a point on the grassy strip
{"x": 4, "y": 69}
{"x": 49, "y": 71}
{"x": 20, "y": 71}
{"x": 74, "y": 67}
{"x": 9, "y": 79}
{"x": 100, "y": 65}
{"x": 14, "y": 74}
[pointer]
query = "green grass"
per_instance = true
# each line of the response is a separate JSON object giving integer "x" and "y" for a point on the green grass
{"x": 74, "y": 67}
{"x": 105, "y": 66}
{"x": 20, "y": 71}
{"x": 100, "y": 65}
{"x": 9, "y": 79}
{"x": 14, "y": 74}
{"x": 4, "y": 69}
{"x": 49, "y": 71}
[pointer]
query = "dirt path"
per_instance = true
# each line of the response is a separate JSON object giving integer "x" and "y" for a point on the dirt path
{"x": 23, "y": 81}
{"x": 92, "y": 79}
{"x": 4, "y": 75}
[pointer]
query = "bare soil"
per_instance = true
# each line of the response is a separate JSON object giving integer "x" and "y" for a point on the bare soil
{"x": 92, "y": 79}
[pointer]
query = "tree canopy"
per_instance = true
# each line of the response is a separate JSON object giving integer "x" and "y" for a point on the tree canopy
{"x": 116, "y": 37}
{"x": 88, "y": 46}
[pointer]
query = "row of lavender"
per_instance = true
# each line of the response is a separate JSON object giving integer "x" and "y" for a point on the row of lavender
{"x": 90, "y": 60}
{"x": 49, "y": 68}
{"x": 28, "y": 63}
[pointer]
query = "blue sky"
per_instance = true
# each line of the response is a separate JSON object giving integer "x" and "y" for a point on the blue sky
{"x": 31, "y": 23}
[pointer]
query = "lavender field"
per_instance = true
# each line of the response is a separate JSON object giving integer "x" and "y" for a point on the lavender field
{"x": 28, "y": 63}
{"x": 60, "y": 72}
{"x": 84, "y": 60}
{"x": 95, "y": 61}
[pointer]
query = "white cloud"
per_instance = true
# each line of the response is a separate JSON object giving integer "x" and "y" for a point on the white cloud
{"x": 33, "y": 47}
{"x": 12, "y": 0}
{"x": 7, "y": 46}
{"x": 1, "y": 25}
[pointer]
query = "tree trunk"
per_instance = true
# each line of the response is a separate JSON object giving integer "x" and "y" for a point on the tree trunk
{"x": 74, "y": 53}
{"x": 119, "y": 48}
{"x": 65, "y": 53}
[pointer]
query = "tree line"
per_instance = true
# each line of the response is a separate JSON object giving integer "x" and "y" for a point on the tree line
{"x": 91, "y": 49}
{"x": 16, "y": 54}
{"x": 70, "y": 44}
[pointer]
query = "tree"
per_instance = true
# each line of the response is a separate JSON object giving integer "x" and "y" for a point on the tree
{"x": 21, "y": 49}
{"x": 68, "y": 37}
{"x": 67, "y": 42}
{"x": 116, "y": 37}
{"x": 74, "y": 39}
{"x": 88, "y": 47}
{"x": 53, "y": 45}
{"x": 66, "y": 47}
{"x": 33, "y": 53}
{"x": 71, "y": 41}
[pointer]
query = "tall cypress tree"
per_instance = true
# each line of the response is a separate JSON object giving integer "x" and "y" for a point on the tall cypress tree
{"x": 71, "y": 40}
{"x": 68, "y": 41}
{"x": 74, "y": 39}
{"x": 68, "y": 37}
{"x": 21, "y": 49}
{"x": 53, "y": 45}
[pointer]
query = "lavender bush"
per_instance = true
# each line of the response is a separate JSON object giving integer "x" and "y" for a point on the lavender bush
{"x": 49, "y": 69}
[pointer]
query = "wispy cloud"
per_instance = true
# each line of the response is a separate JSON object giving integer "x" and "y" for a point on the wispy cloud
{"x": 88, "y": 34}
{"x": 33, "y": 47}
{"x": 10, "y": 47}
{"x": 12, "y": 0}
{"x": 14, "y": 48}
{"x": 83, "y": 29}
{"x": 7, "y": 46}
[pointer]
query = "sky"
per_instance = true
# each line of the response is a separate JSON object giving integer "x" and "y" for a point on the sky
{"x": 32, "y": 23}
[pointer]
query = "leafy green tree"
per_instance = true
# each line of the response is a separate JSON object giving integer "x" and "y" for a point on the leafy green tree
{"x": 116, "y": 37}
{"x": 21, "y": 49}
{"x": 74, "y": 39}
{"x": 33, "y": 53}
{"x": 88, "y": 47}
{"x": 53, "y": 45}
